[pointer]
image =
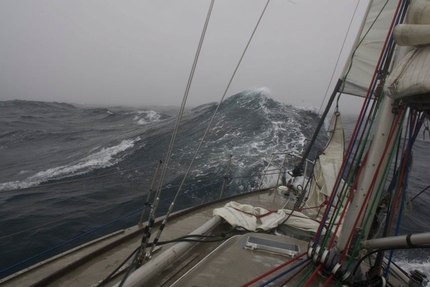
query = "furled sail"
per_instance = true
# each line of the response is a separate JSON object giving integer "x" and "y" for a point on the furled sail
{"x": 412, "y": 76}
{"x": 326, "y": 170}
{"x": 359, "y": 70}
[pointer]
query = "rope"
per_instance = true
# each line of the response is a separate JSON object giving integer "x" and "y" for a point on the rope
{"x": 147, "y": 232}
{"x": 343, "y": 254}
{"x": 307, "y": 261}
{"x": 272, "y": 270}
{"x": 420, "y": 193}
{"x": 338, "y": 57}
{"x": 222, "y": 98}
{"x": 413, "y": 133}
{"x": 81, "y": 235}
{"x": 208, "y": 128}
{"x": 361, "y": 116}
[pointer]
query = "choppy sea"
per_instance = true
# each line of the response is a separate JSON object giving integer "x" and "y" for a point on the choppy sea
{"x": 69, "y": 174}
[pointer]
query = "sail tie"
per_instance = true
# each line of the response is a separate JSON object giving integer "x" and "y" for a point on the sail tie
{"x": 256, "y": 215}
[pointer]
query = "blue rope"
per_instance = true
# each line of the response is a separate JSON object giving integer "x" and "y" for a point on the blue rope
{"x": 284, "y": 273}
{"x": 413, "y": 133}
{"x": 360, "y": 122}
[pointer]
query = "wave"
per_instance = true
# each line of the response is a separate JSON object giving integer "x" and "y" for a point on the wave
{"x": 146, "y": 117}
{"x": 249, "y": 125}
{"x": 105, "y": 157}
{"x": 113, "y": 154}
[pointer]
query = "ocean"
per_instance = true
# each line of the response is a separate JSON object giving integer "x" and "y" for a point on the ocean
{"x": 69, "y": 174}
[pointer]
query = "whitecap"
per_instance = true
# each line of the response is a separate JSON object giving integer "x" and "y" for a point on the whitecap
{"x": 103, "y": 158}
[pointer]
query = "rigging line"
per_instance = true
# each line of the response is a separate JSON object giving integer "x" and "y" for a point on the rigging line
{"x": 420, "y": 193}
{"x": 348, "y": 200}
{"x": 109, "y": 277}
{"x": 147, "y": 233}
{"x": 328, "y": 280}
{"x": 378, "y": 189}
{"x": 74, "y": 238}
{"x": 307, "y": 261}
{"x": 372, "y": 184}
{"x": 386, "y": 170}
{"x": 312, "y": 276}
{"x": 130, "y": 267}
{"x": 273, "y": 270}
{"x": 365, "y": 104}
{"x": 185, "y": 97}
{"x": 222, "y": 98}
{"x": 383, "y": 249}
{"x": 347, "y": 156}
{"x": 299, "y": 284}
{"x": 151, "y": 189}
{"x": 338, "y": 57}
{"x": 394, "y": 192}
{"x": 414, "y": 122}
{"x": 339, "y": 202}
{"x": 282, "y": 284}
{"x": 64, "y": 218}
{"x": 209, "y": 125}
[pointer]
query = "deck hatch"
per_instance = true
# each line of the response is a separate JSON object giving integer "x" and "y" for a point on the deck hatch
{"x": 264, "y": 244}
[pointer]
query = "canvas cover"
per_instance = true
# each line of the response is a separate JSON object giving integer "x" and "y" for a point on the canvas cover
{"x": 411, "y": 77}
{"x": 258, "y": 218}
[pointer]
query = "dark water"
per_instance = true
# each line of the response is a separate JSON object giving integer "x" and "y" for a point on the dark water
{"x": 69, "y": 174}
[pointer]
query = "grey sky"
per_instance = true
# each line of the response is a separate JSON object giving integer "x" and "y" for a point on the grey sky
{"x": 140, "y": 52}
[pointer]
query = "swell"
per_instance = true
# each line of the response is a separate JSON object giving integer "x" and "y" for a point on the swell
{"x": 95, "y": 165}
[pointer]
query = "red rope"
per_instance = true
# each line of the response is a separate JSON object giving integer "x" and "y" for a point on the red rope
{"x": 273, "y": 270}
{"x": 390, "y": 136}
{"x": 351, "y": 193}
{"x": 325, "y": 202}
{"x": 327, "y": 282}
{"x": 312, "y": 276}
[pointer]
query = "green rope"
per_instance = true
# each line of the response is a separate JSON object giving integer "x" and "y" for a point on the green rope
{"x": 305, "y": 276}
{"x": 378, "y": 190}
{"x": 354, "y": 169}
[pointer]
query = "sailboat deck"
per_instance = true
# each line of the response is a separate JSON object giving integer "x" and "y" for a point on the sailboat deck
{"x": 88, "y": 264}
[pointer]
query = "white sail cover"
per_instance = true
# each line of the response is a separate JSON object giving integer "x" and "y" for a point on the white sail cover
{"x": 364, "y": 59}
{"x": 258, "y": 218}
{"x": 411, "y": 76}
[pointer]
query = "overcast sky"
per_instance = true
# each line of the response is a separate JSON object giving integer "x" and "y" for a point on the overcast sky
{"x": 140, "y": 52}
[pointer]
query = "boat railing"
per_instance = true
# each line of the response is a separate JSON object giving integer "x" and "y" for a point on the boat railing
{"x": 272, "y": 168}
{"x": 139, "y": 213}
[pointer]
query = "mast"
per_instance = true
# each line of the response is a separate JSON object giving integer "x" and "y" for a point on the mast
{"x": 377, "y": 152}
{"x": 298, "y": 169}
{"x": 371, "y": 177}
